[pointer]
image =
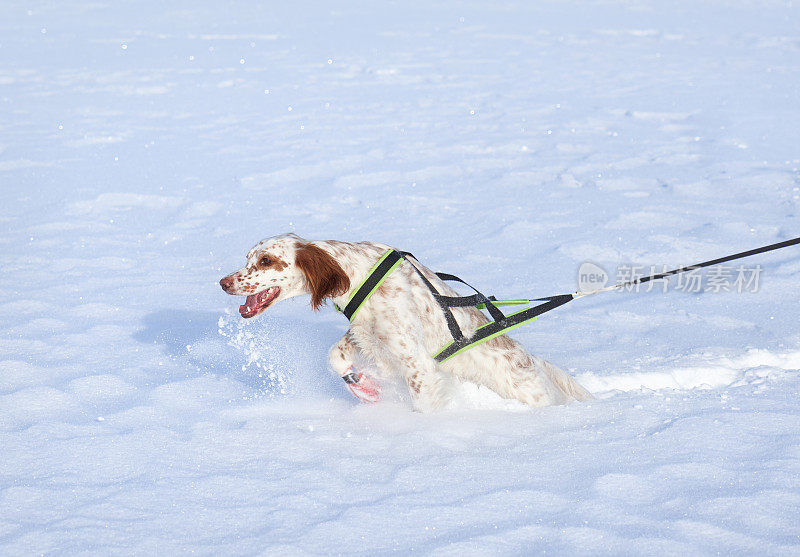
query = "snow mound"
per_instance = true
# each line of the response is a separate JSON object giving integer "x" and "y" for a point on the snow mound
{"x": 752, "y": 368}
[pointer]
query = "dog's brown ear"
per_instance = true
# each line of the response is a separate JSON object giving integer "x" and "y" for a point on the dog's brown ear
{"x": 325, "y": 277}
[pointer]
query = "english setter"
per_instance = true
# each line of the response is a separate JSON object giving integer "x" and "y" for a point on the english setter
{"x": 398, "y": 328}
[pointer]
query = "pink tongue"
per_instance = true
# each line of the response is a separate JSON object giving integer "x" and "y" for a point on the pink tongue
{"x": 250, "y": 303}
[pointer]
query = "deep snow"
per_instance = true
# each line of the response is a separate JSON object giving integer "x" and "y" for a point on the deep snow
{"x": 144, "y": 149}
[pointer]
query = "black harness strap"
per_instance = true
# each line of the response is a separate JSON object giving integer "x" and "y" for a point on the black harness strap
{"x": 499, "y": 326}
{"x": 455, "y": 330}
{"x": 496, "y": 314}
{"x": 464, "y": 301}
{"x": 385, "y": 266}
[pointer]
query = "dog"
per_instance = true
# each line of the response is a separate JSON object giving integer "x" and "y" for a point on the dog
{"x": 398, "y": 328}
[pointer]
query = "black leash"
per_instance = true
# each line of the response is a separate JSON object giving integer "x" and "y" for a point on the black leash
{"x": 725, "y": 259}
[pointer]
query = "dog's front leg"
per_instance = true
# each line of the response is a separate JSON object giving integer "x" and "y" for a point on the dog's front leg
{"x": 342, "y": 358}
{"x": 342, "y": 354}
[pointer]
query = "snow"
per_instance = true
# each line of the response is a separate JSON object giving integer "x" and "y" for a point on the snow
{"x": 145, "y": 147}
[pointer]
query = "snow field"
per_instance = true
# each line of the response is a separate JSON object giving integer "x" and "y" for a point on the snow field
{"x": 145, "y": 148}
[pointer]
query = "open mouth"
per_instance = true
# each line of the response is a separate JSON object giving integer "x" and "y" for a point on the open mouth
{"x": 256, "y": 303}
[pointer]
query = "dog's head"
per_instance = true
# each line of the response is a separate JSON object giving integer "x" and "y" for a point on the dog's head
{"x": 283, "y": 267}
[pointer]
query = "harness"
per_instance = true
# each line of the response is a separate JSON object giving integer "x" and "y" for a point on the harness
{"x": 500, "y": 325}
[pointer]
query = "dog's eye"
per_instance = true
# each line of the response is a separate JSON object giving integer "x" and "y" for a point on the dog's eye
{"x": 264, "y": 262}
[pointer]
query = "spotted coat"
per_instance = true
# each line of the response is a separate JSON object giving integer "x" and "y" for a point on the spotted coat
{"x": 400, "y": 326}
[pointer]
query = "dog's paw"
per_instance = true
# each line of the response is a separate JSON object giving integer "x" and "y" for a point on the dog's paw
{"x": 362, "y": 386}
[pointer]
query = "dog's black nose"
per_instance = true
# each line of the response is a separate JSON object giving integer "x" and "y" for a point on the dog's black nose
{"x": 226, "y": 283}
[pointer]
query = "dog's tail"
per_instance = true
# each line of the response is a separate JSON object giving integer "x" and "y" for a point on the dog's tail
{"x": 565, "y": 383}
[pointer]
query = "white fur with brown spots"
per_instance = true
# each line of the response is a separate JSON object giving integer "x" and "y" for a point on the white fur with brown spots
{"x": 399, "y": 327}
